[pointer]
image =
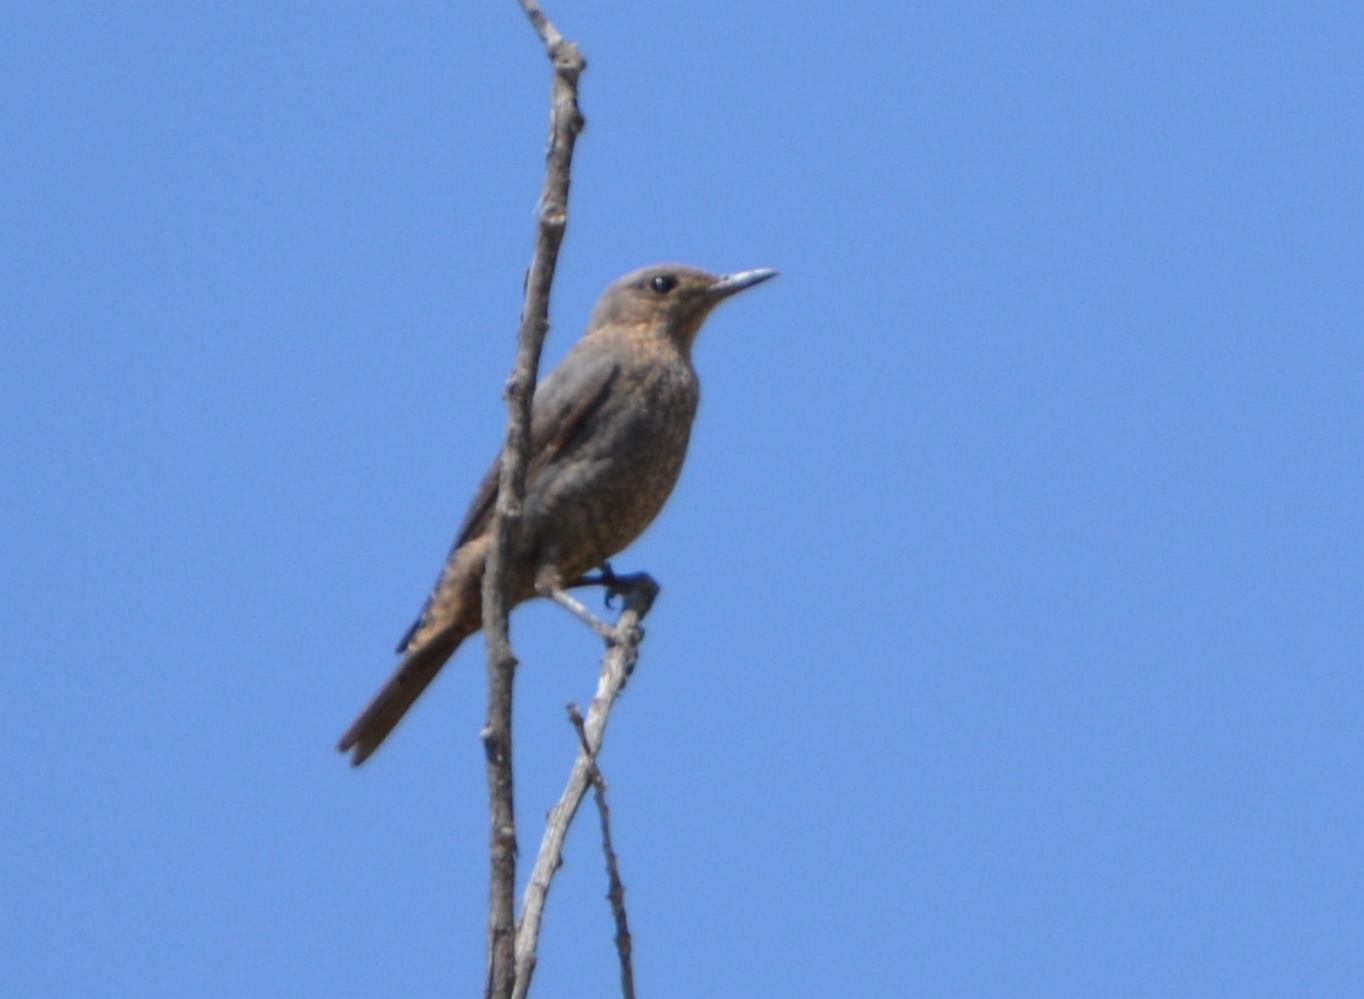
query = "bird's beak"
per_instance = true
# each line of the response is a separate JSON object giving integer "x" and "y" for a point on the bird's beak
{"x": 732, "y": 284}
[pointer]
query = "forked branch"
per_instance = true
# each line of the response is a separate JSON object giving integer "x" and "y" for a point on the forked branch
{"x": 622, "y": 652}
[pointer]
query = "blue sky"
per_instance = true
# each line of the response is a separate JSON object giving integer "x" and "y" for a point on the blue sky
{"x": 1010, "y": 642}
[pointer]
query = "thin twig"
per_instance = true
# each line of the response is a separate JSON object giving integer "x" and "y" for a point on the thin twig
{"x": 547, "y": 32}
{"x": 615, "y": 893}
{"x": 575, "y": 607}
{"x": 622, "y": 652}
{"x": 565, "y": 124}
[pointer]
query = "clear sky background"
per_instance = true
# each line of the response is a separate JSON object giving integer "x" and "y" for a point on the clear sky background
{"x": 1011, "y": 635}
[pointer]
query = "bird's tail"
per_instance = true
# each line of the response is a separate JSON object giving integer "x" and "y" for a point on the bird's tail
{"x": 452, "y": 614}
{"x": 387, "y": 707}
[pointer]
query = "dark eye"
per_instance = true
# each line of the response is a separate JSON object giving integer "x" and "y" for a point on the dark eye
{"x": 663, "y": 284}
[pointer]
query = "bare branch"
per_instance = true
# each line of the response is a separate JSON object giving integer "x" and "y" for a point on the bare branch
{"x": 565, "y": 124}
{"x": 547, "y": 32}
{"x": 622, "y": 652}
{"x": 615, "y": 893}
{"x": 575, "y": 607}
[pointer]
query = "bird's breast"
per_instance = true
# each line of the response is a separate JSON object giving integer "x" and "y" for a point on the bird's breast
{"x": 612, "y": 479}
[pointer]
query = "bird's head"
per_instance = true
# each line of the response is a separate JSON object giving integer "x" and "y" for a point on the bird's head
{"x": 670, "y": 299}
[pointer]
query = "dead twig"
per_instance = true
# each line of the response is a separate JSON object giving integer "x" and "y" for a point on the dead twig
{"x": 565, "y": 123}
{"x": 615, "y": 893}
{"x": 622, "y": 652}
{"x": 575, "y": 607}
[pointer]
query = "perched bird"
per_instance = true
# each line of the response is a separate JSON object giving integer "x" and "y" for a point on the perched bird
{"x": 609, "y": 430}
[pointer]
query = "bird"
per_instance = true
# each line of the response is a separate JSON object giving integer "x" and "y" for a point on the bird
{"x": 609, "y": 431}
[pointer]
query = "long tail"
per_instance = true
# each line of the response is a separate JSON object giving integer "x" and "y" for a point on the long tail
{"x": 452, "y": 613}
{"x": 417, "y": 669}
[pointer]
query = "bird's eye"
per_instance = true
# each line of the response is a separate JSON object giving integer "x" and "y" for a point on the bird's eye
{"x": 663, "y": 284}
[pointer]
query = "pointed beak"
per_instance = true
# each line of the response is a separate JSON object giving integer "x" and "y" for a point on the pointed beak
{"x": 732, "y": 284}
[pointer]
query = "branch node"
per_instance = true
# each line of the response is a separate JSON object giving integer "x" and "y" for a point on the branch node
{"x": 576, "y": 717}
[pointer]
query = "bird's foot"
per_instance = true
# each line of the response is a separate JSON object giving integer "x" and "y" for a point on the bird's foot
{"x": 637, "y": 588}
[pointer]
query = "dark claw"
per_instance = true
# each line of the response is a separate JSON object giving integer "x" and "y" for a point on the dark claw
{"x": 638, "y": 584}
{"x": 615, "y": 585}
{"x": 606, "y": 577}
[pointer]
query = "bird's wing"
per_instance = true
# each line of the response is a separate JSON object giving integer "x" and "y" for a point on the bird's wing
{"x": 563, "y": 402}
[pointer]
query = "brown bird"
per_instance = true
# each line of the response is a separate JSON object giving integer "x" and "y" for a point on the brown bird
{"x": 609, "y": 431}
